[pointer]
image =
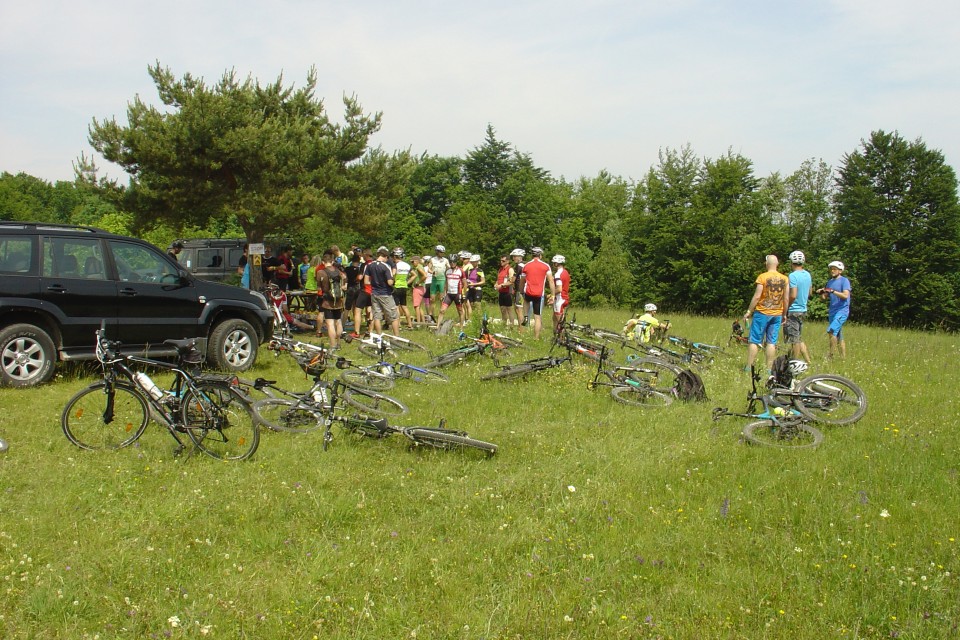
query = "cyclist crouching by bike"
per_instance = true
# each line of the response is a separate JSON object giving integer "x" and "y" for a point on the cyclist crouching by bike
{"x": 641, "y": 327}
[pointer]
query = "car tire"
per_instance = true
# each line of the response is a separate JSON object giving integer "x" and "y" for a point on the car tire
{"x": 27, "y": 356}
{"x": 233, "y": 345}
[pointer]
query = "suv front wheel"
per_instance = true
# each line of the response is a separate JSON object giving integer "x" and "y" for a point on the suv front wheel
{"x": 233, "y": 345}
{"x": 27, "y": 356}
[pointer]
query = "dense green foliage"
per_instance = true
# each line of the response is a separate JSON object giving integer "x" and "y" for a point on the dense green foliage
{"x": 594, "y": 520}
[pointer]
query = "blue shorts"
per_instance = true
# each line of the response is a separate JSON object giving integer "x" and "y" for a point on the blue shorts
{"x": 765, "y": 328}
{"x": 836, "y": 324}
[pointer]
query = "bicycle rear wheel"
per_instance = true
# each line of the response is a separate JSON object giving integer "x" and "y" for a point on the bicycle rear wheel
{"x": 280, "y": 414}
{"x": 448, "y": 359}
{"x": 830, "y": 399}
{"x": 364, "y": 379}
{"x": 785, "y": 435}
{"x": 220, "y": 422}
{"x": 641, "y": 396}
{"x": 421, "y": 374}
{"x": 512, "y": 371}
{"x": 443, "y": 439}
{"x": 83, "y": 419}
{"x": 376, "y": 403}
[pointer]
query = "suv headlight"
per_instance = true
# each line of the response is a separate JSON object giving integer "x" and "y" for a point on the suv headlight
{"x": 259, "y": 296}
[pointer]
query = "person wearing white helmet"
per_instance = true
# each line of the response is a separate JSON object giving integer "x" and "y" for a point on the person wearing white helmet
{"x": 837, "y": 290}
{"x": 455, "y": 285}
{"x": 641, "y": 327}
{"x": 505, "y": 281}
{"x": 438, "y": 267}
{"x": 474, "y": 278}
{"x": 561, "y": 279}
{"x": 800, "y": 286}
{"x": 400, "y": 285}
{"x": 536, "y": 277}
{"x": 766, "y": 311}
{"x": 517, "y": 256}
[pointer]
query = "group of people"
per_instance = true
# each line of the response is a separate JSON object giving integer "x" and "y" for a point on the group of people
{"x": 780, "y": 300}
{"x": 376, "y": 287}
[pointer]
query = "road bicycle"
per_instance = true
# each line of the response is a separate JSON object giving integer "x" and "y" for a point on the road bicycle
{"x": 487, "y": 344}
{"x": 777, "y": 425}
{"x": 322, "y": 408}
{"x": 114, "y": 412}
{"x": 382, "y": 375}
{"x": 631, "y": 385}
{"x": 370, "y": 344}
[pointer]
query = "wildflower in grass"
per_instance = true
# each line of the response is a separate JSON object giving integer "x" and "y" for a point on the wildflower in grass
{"x": 884, "y": 514}
{"x": 567, "y": 619}
{"x": 571, "y": 488}
{"x": 174, "y": 621}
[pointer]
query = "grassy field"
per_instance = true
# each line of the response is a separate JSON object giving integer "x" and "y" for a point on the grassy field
{"x": 594, "y": 520}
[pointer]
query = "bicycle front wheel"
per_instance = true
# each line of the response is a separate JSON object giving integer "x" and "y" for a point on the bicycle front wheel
{"x": 831, "y": 399}
{"x": 783, "y": 435}
{"x": 440, "y": 439}
{"x": 641, "y": 396}
{"x": 279, "y": 414}
{"x": 86, "y": 423}
{"x": 376, "y": 403}
{"x": 421, "y": 374}
{"x": 220, "y": 422}
{"x": 363, "y": 379}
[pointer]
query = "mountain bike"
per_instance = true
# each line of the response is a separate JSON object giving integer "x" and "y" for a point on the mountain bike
{"x": 777, "y": 425}
{"x": 708, "y": 350}
{"x": 576, "y": 344}
{"x": 370, "y": 344}
{"x": 736, "y": 335}
{"x": 626, "y": 388}
{"x": 381, "y": 376}
{"x": 114, "y": 412}
{"x": 824, "y": 397}
{"x": 523, "y": 368}
{"x": 487, "y": 344}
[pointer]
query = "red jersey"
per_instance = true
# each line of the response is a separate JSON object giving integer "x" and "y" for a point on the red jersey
{"x": 536, "y": 272}
{"x": 562, "y": 279}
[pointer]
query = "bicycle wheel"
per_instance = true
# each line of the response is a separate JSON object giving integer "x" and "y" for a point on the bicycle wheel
{"x": 641, "y": 396}
{"x": 441, "y": 439}
{"x": 83, "y": 420}
{"x": 421, "y": 374}
{"x": 785, "y": 435}
{"x": 371, "y": 351}
{"x": 832, "y": 399}
{"x": 405, "y": 344}
{"x": 279, "y": 414}
{"x": 375, "y": 403}
{"x": 220, "y": 421}
{"x": 253, "y": 394}
{"x": 512, "y": 371}
{"x": 448, "y": 359}
{"x": 509, "y": 341}
{"x": 658, "y": 374}
{"x": 364, "y": 379}
{"x": 610, "y": 336}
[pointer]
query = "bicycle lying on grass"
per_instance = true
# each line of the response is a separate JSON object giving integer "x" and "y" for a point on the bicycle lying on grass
{"x": 381, "y": 376}
{"x": 778, "y": 425}
{"x": 523, "y": 368}
{"x": 371, "y": 344}
{"x": 633, "y": 386}
{"x": 113, "y": 413}
{"x": 487, "y": 343}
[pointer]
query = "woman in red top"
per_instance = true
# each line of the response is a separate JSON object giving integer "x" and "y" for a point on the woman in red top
{"x": 537, "y": 275}
{"x": 505, "y": 280}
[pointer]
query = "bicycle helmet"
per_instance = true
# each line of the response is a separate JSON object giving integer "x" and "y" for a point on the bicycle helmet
{"x": 536, "y": 251}
{"x": 558, "y": 259}
{"x": 517, "y": 252}
{"x": 649, "y": 307}
{"x": 797, "y": 257}
{"x": 440, "y": 248}
{"x": 837, "y": 264}
{"x": 176, "y": 244}
{"x": 398, "y": 252}
{"x": 797, "y": 367}
{"x": 475, "y": 258}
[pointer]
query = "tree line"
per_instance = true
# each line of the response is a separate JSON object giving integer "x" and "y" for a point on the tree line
{"x": 241, "y": 159}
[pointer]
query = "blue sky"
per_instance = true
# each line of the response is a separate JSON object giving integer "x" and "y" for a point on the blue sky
{"x": 581, "y": 86}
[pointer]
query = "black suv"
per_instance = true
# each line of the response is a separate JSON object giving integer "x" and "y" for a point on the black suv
{"x": 59, "y": 282}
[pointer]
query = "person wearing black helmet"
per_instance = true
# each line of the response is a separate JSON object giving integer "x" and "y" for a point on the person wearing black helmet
{"x": 174, "y": 250}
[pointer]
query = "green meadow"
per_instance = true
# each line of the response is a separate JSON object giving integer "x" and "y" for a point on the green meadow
{"x": 594, "y": 520}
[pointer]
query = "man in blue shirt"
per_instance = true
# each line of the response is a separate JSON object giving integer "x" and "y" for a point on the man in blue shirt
{"x": 800, "y": 285}
{"x": 838, "y": 309}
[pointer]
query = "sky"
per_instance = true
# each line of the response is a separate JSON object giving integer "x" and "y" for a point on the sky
{"x": 579, "y": 86}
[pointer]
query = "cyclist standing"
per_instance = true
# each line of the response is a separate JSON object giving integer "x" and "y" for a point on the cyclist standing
{"x": 800, "y": 285}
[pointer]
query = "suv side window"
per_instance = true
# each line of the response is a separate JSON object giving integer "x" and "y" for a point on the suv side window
{"x": 73, "y": 258}
{"x": 210, "y": 258}
{"x": 136, "y": 263}
{"x": 16, "y": 255}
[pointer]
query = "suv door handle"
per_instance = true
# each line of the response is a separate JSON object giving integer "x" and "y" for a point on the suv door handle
{"x": 128, "y": 291}
{"x": 57, "y": 288}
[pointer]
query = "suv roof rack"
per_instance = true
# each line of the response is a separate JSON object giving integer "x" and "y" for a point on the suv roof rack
{"x": 50, "y": 226}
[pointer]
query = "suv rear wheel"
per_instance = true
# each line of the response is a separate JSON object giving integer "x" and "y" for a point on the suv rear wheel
{"x": 27, "y": 356}
{"x": 233, "y": 345}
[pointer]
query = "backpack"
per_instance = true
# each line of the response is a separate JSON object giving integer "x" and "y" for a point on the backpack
{"x": 780, "y": 372}
{"x": 690, "y": 387}
{"x": 335, "y": 294}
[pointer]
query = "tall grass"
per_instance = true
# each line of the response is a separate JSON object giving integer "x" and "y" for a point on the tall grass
{"x": 594, "y": 520}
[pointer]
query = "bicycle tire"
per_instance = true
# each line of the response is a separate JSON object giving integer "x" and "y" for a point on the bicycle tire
{"x": 767, "y": 433}
{"x": 448, "y": 359}
{"x": 364, "y": 379}
{"x": 447, "y": 440}
{"x": 372, "y": 351}
{"x": 376, "y": 403}
{"x": 423, "y": 375}
{"x": 844, "y": 394}
{"x": 641, "y": 396}
{"x": 82, "y": 417}
{"x": 659, "y": 374}
{"x": 280, "y": 414}
{"x": 609, "y": 336}
{"x": 508, "y": 340}
{"x": 249, "y": 389}
{"x": 220, "y": 422}
{"x": 512, "y": 371}
{"x": 405, "y": 344}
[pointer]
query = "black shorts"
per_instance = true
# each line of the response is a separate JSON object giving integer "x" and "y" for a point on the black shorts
{"x": 351, "y": 298}
{"x": 400, "y": 297}
{"x": 536, "y": 301}
{"x": 363, "y": 300}
{"x": 475, "y": 294}
{"x": 505, "y": 298}
{"x": 452, "y": 299}
{"x": 332, "y": 314}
